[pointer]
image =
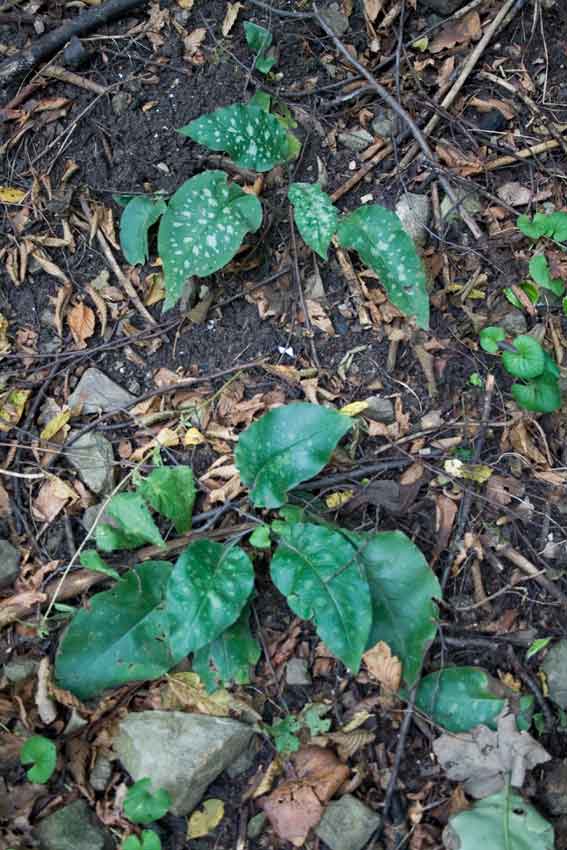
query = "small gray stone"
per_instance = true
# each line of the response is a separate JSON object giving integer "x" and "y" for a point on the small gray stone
{"x": 414, "y": 211}
{"x": 91, "y": 514}
{"x": 96, "y": 393}
{"x": 256, "y": 825}
{"x": 101, "y": 773}
{"x": 74, "y": 827}
{"x": 469, "y": 201}
{"x": 380, "y": 409}
{"x": 296, "y": 672}
{"x": 335, "y": 19}
{"x": 555, "y": 668}
{"x": 385, "y": 123}
{"x": 20, "y": 669}
{"x": 9, "y": 563}
{"x": 93, "y": 458}
{"x": 347, "y": 824}
{"x": 120, "y": 103}
{"x": 514, "y": 322}
{"x": 181, "y": 752}
{"x": 356, "y": 140}
{"x": 554, "y": 788}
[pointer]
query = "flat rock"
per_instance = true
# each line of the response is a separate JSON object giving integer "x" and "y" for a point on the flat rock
{"x": 97, "y": 393}
{"x": 356, "y": 140}
{"x": 74, "y": 827}
{"x": 380, "y": 409}
{"x": 347, "y": 824}
{"x": 9, "y": 563}
{"x": 20, "y": 669}
{"x": 555, "y": 668}
{"x": 414, "y": 211}
{"x": 296, "y": 672}
{"x": 181, "y": 752}
{"x": 335, "y": 19}
{"x": 514, "y": 322}
{"x": 93, "y": 458}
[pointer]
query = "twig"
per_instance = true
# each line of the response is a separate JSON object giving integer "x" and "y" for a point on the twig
{"x": 400, "y": 747}
{"x": 530, "y": 569}
{"x": 532, "y": 684}
{"x": 397, "y": 107}
{"x": 384, "y": 152}
{"x": 280, "y": 12}
{"x": 65, "y": 76}
{"x": 297, "y": 276}
{"x": 525, "y": 153}
{"x": 28, "y": 475}
{"x": 353, "y": 284}
{"x": 126, "y": 284}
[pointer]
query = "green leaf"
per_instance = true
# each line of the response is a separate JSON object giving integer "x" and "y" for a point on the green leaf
{"x": 313, "y": 716}
{"x": 315, "y": 215}
{"x": 122, "y": 637}
{"x": 540, "y": 226}
{"x": 208, "y": 589}
{"x": 286, "y": 446}
{"x": 228, "y": 658}
{"x": 170, "y": 490}
{"x": 402, "y": 590}
{"x": 541, "y": 395}
{"x": 539, "y": 270}
{"x": 150, "y": 841}
{"x": 261, "y": 99}
{"x": 536, "y": 646}
{"x": 283, "y": 733}
{"x": 92, "y": 561}
{"x": 490, "y": 337}
{"x": 527, "y": 361}
{"x": 141, "y": 805}
{"x": 380, "y": 239}
{"x": 133, "y": 524}
{"x": 252, "y": 137}
{"x": 531, "y": 290}
{"x": 139, "y": 215}
{"x": 203, "y": 228}
{"x": 459, "y": 698}
{"x": 259, "y": 40}
{"x": 260, "y": 537}
{"x": 42, "y": 754}
{"x": 503, "y": 821}
{"x": 316, "y": 569}
{"x": 559, "y": 224}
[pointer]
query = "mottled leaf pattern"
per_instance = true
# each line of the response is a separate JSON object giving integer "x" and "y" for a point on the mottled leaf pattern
{"x": 315, "y": 215}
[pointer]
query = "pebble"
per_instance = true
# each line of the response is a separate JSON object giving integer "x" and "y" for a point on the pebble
{"x": 9, "y": 563}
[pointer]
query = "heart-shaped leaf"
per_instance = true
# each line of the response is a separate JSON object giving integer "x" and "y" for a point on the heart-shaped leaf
{"x": 42, "y": 754}
{"x": 122, "y": 637}
{"x": 133, "y": 524}
{"x": 252, "y": 137}
{"x": 316, "y": 569}
{"x": 150, "y": 841}
{"x": 490, "y": 337}
{"x": 459, "y": 698}
{"x": 142, "y": 805}
{"x": 208, "y": 589}
{"x": 383, "y": 244}
{"x": 285, "y": 446}
{"x": 539, "y": 270}
{"x": 228, "y": 658}
{"x": 315, "y": 215}
{"x": 541, "y": 395}
{"x": 170, "y": 490}
{"x": 541, "y": 225}
{"x": 259, "y": 40}
{"x": 91, "y": 559}
{"x": 203, "y": 228}
{"x": 140, "y": 214}
{"x": 527, "y": 361}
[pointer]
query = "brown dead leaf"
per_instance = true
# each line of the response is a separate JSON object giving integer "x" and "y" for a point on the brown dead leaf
{"x": 348, "y": 743}
{"x": 47, "y": 709}
{"x": 384, "y": 667}
{"x": 101, "y": 308}
{"x": 446, "y": 511}
{"x": 81, "y": 321}
{"x": 501, "y": 489}
{"x": 53, "y": 495}
{"x": 274, "y": 769}
{"x": 372, "y": 9}
{"x": 48, "y": 266}
{"x": 185, "y": 691}
{"x": 193, "y": 41}
{"x": 458, "y": 32}
{"x": 61, "y": 301}
{"x": 232, "y": 11}
{"x": 523, "y": 443}
{"x": 488, "y": 104}
{"x": 319, "y": 317}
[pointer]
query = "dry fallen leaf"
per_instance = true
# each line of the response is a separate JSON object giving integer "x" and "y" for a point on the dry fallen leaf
{"x": 232, "y": 11}
{"x": 46, "y": 708}
{"x": 458, "y": 32}
{"x": 12, "y": 405}
{"x": 81, "y": 321}
{"x": 372, "y": 9}
{"x": 52, "y": 498}
{"x": 348, "y": 743}
{"x": 10, "y": 195}
{"x": 384, "y": 667}
{"x": 194, "y": 40}
{"x": 206, "y": 818}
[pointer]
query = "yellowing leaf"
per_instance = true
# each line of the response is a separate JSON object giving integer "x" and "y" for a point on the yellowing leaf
{"x": 4, "y": 343}
{"x": 10, "y": 195}
{"x": 232, "y": 11}
{"x": 470, "y": 472}
{"x": 81, "y": 320}
{"x": 193, "y": 437}
{"x": 204, "y": 820}
{"x": 335, "y": 500}
{"x": 11, "y": 408}
{"x": 354, "y": 408}
{"x": 421, "y": 44}
{"x": 156, "y": 289}
{"x": 186, "y": 4}
{"x": 167, "y": 437}
{"x": 55, "y": 424}
{"x": 185, "y": 690}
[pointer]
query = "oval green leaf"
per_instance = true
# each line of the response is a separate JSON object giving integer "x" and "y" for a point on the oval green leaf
{"x": 252, "y": 137}
{"x": 42, "y": 754}
{"x": 259, "y": 40}
{"x": 228, "y": 659}
{"x": 490, "y": 337}
{"x": 316, "y": 569}
{"x": 383, "y": 244}
{"x": 122, "y": 637}
{"x": 203, "y": 228}
{"x": 170, "y": 490}
{"x": 541, "y": 225}
{"x": 459, "y": 698}
{"x": 142, "y": 805}
{"x": 286, "y": 446}
{"x": 315, "y": 215}
{"x": 209, "y": 586}
{"x": 139, "y": 215}
{"x": 150, "y": 841}
{"x": 539, "y": 270}
{"x": 133, "y": 525}
{"x": 527, "y": 361}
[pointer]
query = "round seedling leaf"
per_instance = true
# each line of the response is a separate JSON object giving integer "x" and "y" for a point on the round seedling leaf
{"x": 142, "y": 805}
{"x": 315, "y": 215}
{"x": 203, "y": 228}
{"x": 541, "y": 225}
{"x": 42, "y": 754}
{"x": 527, "y": 361}
{"x": 139, "y": 215}
{"x": 490, "y": 337}
{"x": 150, "y": 841}
{"x": 541, "y": 395}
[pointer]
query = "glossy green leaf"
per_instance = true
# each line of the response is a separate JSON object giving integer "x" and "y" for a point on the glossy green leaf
{"x": 203, "y": 228}
{"x": 150, "y": 841}
{"x": 92, "y": 561}
{"x": 459, "y": 698}
{"x": 259, "y": 40}
{"x": 209, "y": 586}
{"x": 402, "y": 591}
{"x": 315, "y": 215}
{"x": 383, "y": 244}
{"x": 490, "y": 337}
{"x": 228, "y": 659}
{"x": 539, "y": 270}
{"x": 540, "y": 225}
{"x": 316, "y": 569}
{"x": 170, "y": 490}
{"x": 139, "y": 215}
{"x": 527, "y": 360}
{"x": 503, "y": 821}
{"x": 260, "y": 537}
{"x": 540, "y": 395}
{"x": 252, "y": 137}
{"x": 133, "y": 524}
{"x": 41, "y": 753}
{"x": 121, "y": 637}
{"x": 142, "y": 805}
{"x": 537, "y": 646}
{"x": 286, "y": 446}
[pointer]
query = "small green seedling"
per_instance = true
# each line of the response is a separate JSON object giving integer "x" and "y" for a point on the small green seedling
{"x": 259, "y": 39}
{"x": 150, "y": 841}
{"x": 525, "y": 358}
{"x": 42, "y": 754}
{"x": 144, "y": 806}
{"x": 552, "y": 226}
{"x": 475, "y": 379}
{"x": 537, "y": 646}
{"x": 284, "y": 734}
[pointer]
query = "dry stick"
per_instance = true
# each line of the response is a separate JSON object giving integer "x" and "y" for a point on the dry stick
{"x": 397, "y": 107}
{"x": 65, "y": 76}
{"x": 45, "y": 47}
{"x": 126, "y": 284}
{"x": 297, "y": 276}
{"x": 530, "y": 569}
{"x": 525, "y": 153}
{"x": 532, "y": 684}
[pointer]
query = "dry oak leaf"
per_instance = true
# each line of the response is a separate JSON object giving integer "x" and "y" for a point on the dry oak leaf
{"x": 459, "y": 32}
{"x": 384, "y": 667}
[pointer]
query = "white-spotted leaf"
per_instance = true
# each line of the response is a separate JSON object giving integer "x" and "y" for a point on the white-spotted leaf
{"x": 315, "y": 215}
{"x": 203, "y": 228}
{"x": 252, "y": 137}
{"x": 383, "y": 244}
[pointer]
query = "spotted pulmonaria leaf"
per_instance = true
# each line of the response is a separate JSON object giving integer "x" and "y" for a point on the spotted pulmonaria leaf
{"x": 315, "y": 215}
{"x": 383, "y": 244}
{"x": 203, "y": 228}
{"x": 252, "y": 137}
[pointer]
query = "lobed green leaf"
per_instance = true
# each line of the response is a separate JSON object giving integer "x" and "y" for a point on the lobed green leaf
{"x": 142, "y": 805}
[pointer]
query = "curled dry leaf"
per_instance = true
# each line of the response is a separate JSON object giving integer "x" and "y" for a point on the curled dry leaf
{"x": 81, "y": 321}
{"x": 348, "y": 743}
{"x": 232, "y": 11}
{"x": 47, "y": 709}
{"x": 52, "y": 498}
{"x": 384, "y": 667}
{"x": 458, "y": 32}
